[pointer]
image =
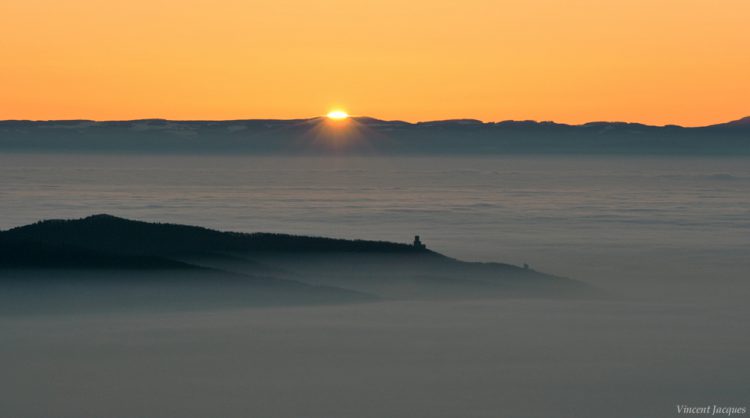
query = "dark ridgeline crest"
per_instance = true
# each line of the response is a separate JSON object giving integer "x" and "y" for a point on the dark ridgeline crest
{"x": 106, "y": 262}
{"x": 109, "y": 233}
{"x": 457, "y": 136}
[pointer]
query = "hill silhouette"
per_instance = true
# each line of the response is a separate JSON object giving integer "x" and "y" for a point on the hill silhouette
{"x": 104, "y": 261}
{"x": 19, "y": 253}
{"x": 123, "y": 236}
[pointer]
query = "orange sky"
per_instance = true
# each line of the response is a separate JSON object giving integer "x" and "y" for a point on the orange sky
{"x": 654, "y": 61}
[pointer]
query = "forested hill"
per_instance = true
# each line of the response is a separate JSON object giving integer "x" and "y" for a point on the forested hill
{"x": 115, "y": 235}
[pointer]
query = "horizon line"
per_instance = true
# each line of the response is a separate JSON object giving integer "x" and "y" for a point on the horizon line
{"x": 355, "y": 117}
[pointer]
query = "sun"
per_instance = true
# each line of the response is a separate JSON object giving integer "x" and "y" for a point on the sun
{"x": 337, "y": 115}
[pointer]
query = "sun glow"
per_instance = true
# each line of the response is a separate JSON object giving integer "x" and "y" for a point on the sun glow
{"x": 337, "y": 115}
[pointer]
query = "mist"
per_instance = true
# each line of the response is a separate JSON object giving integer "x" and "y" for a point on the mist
{"x": 470, "y": 358}
{"x": 664, "y": 240}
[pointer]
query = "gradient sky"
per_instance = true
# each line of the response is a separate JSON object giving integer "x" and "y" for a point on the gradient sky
{"x": 653, "y": 61}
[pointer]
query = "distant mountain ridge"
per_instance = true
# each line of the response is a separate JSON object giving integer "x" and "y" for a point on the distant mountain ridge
{"x": 365, "y": 135}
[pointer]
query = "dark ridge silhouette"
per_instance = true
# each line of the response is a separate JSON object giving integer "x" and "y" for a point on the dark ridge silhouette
{"x": 735, "y": 124}
{"x": 123, "y": 236}
{"x": 106, "y": 262}
{"x": 42, "y": 278}
{"x": 457, "y": 136}
{"x": 19, "y": 253}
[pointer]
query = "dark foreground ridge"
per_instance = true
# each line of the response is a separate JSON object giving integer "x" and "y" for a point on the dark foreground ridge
{"x": 123, "y": 236}
{"x": 364, "y": 135}
{"x": 104, "y": 262}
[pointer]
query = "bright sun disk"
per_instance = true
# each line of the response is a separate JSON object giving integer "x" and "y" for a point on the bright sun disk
{"x": 337, "y": 115}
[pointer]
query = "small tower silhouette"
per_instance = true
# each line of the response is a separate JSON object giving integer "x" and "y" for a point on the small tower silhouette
{"x": 418, "y": 243}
